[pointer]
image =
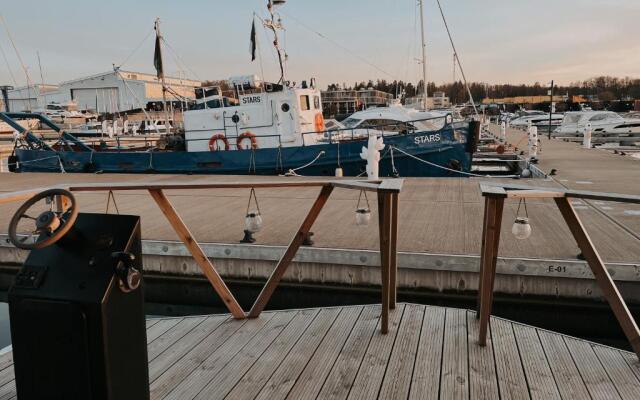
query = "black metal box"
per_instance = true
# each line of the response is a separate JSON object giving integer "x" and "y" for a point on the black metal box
{"x": 76, "y": 333}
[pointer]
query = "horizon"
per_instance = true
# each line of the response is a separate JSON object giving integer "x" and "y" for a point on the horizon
{"x": 514, "y": 50}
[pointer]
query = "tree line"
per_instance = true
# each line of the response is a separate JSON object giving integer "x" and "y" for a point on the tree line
{"x": 606, "y": 88}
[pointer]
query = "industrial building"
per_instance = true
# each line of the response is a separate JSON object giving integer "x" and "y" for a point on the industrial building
{"x": 109, "y": 92}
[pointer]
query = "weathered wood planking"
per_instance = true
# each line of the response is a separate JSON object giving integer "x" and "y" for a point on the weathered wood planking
{"x": 339, "y": 353}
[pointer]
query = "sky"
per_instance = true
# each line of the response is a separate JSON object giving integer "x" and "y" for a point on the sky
{"x": 335, "y": 41}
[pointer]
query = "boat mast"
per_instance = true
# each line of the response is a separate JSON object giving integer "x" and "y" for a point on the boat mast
{"x": 161, "y": 76}
{"x": 275, "y": 26}
{"x": 424, "y": 56}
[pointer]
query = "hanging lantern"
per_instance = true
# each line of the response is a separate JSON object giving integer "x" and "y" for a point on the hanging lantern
{"x": 363, "y": 214}
{"x": 521, "y": 228}
{"x": 252, "y": 219}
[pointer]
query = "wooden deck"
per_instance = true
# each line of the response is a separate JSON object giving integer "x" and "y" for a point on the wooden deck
{"x": 339, "y": 353}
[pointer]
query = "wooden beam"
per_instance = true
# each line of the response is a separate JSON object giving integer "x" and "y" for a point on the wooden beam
{"x": 393, "y": 265}
{"x": 290, "y": 252}
{"x": 198, "y": 255}
{"x": 392, "y": 185}
{"x": 483, "y": 249}
{"x": 601, "y": 274}
{"x": 489, "y": 257}
{"x": 384, "y": 227}
{"x": 533, "y": 194}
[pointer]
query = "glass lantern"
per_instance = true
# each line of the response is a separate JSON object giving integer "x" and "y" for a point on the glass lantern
{"x": 521, "y": 228}
{"x": 253, "y": 222}
{"x": 363, "y": 216}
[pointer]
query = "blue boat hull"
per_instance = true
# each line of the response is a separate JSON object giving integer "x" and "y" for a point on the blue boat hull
{"x": 441, "y": 158}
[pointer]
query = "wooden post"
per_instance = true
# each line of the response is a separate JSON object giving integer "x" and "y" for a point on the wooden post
{"x": 198, "y": 254}
{"x": 384, "y": 227}
{"x": 482, "y": 251}
{"x": 287, "y": 257}
{"x": 601, "y": 274}
{"x": 488, "y": 259}
{"x": 393, "y": 265}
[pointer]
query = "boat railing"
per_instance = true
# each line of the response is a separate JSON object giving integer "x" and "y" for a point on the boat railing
{"x": 336, "y": 135}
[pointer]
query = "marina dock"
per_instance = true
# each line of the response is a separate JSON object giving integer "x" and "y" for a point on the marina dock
{"x": 339, "y": 353}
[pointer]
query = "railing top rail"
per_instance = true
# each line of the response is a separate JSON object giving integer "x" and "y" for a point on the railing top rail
{"x": 508, "y": 190}
{"x": 382, "y": 185}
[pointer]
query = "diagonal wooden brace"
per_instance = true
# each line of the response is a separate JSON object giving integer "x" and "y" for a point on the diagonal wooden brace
{"x": 290, "y": 252}
{"x": 198, "y": 254}
{"x": 601, "y": 274}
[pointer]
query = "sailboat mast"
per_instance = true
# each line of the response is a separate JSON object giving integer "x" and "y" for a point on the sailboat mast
{"x": 424, "y": 56}
{"x": 161, "y": 76}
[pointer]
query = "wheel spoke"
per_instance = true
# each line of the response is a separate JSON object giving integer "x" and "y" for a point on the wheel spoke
{"x": 27, "y": 216}
{"x": 23, "y": 239}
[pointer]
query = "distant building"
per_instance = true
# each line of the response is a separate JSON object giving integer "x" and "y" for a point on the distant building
{"x": 439, "y": 100}
{"x": 33, "y": 97}
{"x": 118, "y": 91}
{"x": 522, "y": 100}
{"x": 108, "y": 92}
{"x": 342, "y": 103}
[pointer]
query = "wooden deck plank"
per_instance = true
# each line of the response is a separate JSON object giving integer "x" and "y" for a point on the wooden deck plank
{"x": 311, "y": 380}
{"x": 425, "y": 382}
{"x": 619, "y": 371}
{"x": 568, "y": 379}
{"x": 397, "y": 379}
{"x": 152, "y": 322}
{"x": 285, "y": 376}
{"x": 171, "y": 336}
{"x": 369, "y": 377}
{"x": 542, "y": 384}
{"x": 6, "y": 375}
{"x": 176, "y": 351}
{"x": 161, "y": 327}
{"x": 207, "y": 367}
{"x": 8, "y": 390}
{"x": 595, "y": 377}
{"x": 344, "y": 370}
{"x": 250, "y": 384}
{"x": 454, "y": 378}
{"x": 483, "y": 380}
{"x": 174, "y": 374}
{"x": 511, "y": 379}
{"x": 221, "y": 380}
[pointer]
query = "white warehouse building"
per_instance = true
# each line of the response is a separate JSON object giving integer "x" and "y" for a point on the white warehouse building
{"x": 104, "y": 93}
{"x": 123, "y": 91}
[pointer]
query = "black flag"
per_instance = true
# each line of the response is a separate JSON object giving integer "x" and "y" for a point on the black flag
{"x": 253, "y": 41}
{"x": 157, "y": 58}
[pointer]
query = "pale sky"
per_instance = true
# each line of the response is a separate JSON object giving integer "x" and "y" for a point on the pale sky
{"x": 499, "y": 41}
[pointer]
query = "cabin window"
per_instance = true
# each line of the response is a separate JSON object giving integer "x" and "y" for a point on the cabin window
{"x": 599, "y": 117}
{"x": 316, "y": 102}
{"x": 304, "y": 103}
{"x": 351, "y": 122}
{"x": 285, "y": 107}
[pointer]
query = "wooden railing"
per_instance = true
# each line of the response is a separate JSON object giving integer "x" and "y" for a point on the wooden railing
{"x": 495, "y": 195}
{"x": 386, "y": 190}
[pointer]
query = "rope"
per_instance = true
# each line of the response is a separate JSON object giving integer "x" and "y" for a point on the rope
{"x": 365, "y": 198}
{"x": 110, "y": 196}
{"x": 62, "y": 171}
{"x": 252, "y": 193}
{"x": 292, "y": 172}
{"x": 135, "y": 50}
{"x": 448, "y": 169}
{"x": 252, "y": 160}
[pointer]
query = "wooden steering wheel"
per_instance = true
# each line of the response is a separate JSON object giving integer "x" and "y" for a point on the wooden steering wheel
{"x": 51, "y": 225}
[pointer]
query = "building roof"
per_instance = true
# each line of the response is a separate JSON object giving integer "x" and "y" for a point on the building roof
{"x": 139, "y": 76}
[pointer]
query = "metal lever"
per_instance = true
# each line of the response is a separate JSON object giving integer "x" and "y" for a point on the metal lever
{"x": 129, "y": 278}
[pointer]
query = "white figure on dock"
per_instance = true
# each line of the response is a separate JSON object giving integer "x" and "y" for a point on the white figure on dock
{"x": 533, "y": 142}
{"x": 503, "y": 132}
{"x": 372, "y": 155}
{"x": 588, "y": 131}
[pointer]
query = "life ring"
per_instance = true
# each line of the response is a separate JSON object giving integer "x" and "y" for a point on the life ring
{"x": 247, "y": 135}
{"x": 213, "y": 142}
{"x": 319, "y": 123}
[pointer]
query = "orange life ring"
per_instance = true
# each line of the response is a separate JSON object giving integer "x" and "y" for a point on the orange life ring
{"x": 247, "y": 135}
{"x": 319, "y": 123}
{"x": 213, "y": 142}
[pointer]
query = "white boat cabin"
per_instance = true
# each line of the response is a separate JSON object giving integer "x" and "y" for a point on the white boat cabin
{"x": 263, "y": 115}
{"x": 601, "y": 122}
